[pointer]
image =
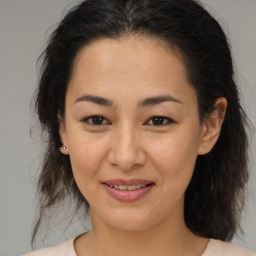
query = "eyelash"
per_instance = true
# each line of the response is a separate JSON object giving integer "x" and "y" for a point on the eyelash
{"x": 165, "y": 120}
{"x": 86, "y": 120}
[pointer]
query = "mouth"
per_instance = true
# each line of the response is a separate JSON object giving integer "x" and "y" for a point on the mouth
{"x": 128, "y": 190}
{"x": 132, "y": 184}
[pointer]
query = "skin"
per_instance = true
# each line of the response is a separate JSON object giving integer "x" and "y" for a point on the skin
{"x": 127, "y": 144}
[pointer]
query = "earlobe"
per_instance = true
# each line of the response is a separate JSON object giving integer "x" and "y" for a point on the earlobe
{"x": 212, "y": 127}
{"x": 62, "y": 133}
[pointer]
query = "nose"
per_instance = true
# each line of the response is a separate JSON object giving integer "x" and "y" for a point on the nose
{"x": 126, "y": 148}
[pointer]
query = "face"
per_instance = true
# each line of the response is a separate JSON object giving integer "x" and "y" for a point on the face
{"x": 132, "y": 131}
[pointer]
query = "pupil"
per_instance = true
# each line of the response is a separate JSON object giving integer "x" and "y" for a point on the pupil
{"x": 97, "y": 120}
{"x": 158, "y": 121}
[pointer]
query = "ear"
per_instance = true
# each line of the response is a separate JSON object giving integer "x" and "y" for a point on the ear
{"x": 62, "y": 133}
{"x": 212, "y": 126}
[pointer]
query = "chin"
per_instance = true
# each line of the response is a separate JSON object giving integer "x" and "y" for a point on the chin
{"x": 131, "y": 222}
{"x": 131, "y": 227}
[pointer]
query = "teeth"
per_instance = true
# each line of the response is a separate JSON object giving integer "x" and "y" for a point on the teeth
{"x": 133, "y": 187}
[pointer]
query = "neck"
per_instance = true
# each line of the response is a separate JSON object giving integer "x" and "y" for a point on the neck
{"x": 166, "y": 238}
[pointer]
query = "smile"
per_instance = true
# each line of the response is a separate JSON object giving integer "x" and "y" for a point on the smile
{"x": 128, "y": 190}
{"x": 133, "y": 187}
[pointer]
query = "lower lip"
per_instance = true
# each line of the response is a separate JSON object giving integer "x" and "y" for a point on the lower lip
{"x": 128, "y": 195}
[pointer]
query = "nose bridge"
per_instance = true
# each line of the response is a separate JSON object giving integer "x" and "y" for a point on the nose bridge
{"x": 125, "y": 142}
{"x": 127, "y": 150}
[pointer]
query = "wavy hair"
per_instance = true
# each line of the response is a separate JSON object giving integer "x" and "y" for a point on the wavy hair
{"x": 215, "y": 195}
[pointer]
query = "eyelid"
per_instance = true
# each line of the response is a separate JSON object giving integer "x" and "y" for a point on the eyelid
{"x": 85, "y": 120}
{"x": 169, "y": 121}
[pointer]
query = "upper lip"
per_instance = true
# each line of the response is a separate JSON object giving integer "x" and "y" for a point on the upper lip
{"x": 130, "y": 182}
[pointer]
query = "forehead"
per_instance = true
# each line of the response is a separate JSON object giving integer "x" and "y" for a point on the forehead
{"x": 143, "y": 53}
{"x": 138, "y": 63}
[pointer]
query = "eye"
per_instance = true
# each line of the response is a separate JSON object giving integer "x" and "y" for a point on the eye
{"x": 95, "y": 120}
{"x": 159, "y": 121}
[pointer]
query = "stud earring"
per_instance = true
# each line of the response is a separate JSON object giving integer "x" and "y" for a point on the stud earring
{"x": 63, "y": 147}
{"x": 205, "y": 147}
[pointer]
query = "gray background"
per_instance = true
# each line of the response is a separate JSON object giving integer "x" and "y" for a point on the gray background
{"x": 24, "y": 26}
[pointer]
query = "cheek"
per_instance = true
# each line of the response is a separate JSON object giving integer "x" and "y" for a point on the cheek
{"x": 86, "y": 156}
{"x": 175, "y": 156}
{"x": 175, "y": 163}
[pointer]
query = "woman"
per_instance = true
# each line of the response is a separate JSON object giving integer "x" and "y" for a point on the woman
{"x": 145, "y": 129}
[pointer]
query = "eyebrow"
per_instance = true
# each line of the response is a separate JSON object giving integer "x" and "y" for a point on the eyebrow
{"x": 157, "y": 100}
{"x": 96, "y": 99}
{"x": 144, "y": 103}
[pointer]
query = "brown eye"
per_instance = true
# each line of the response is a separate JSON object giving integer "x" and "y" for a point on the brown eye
{"x": 159, "y": 121}
{"x": 95, "y": 120}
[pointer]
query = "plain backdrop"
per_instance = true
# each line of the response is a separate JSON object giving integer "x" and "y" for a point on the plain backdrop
{"x": 24, "y": 27}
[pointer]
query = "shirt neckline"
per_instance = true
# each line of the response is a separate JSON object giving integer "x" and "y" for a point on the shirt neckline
{"x": 72, "y": 251}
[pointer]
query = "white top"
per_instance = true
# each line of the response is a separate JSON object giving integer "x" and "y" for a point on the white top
{"x": 214, "y": 248}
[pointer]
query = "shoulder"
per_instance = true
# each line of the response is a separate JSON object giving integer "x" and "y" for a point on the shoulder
{"x": 220, "y": 248}
{"x": 63, "y": 249}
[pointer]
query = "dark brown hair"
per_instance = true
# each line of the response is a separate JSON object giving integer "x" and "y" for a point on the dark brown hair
{"x": 215, "y": 195}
